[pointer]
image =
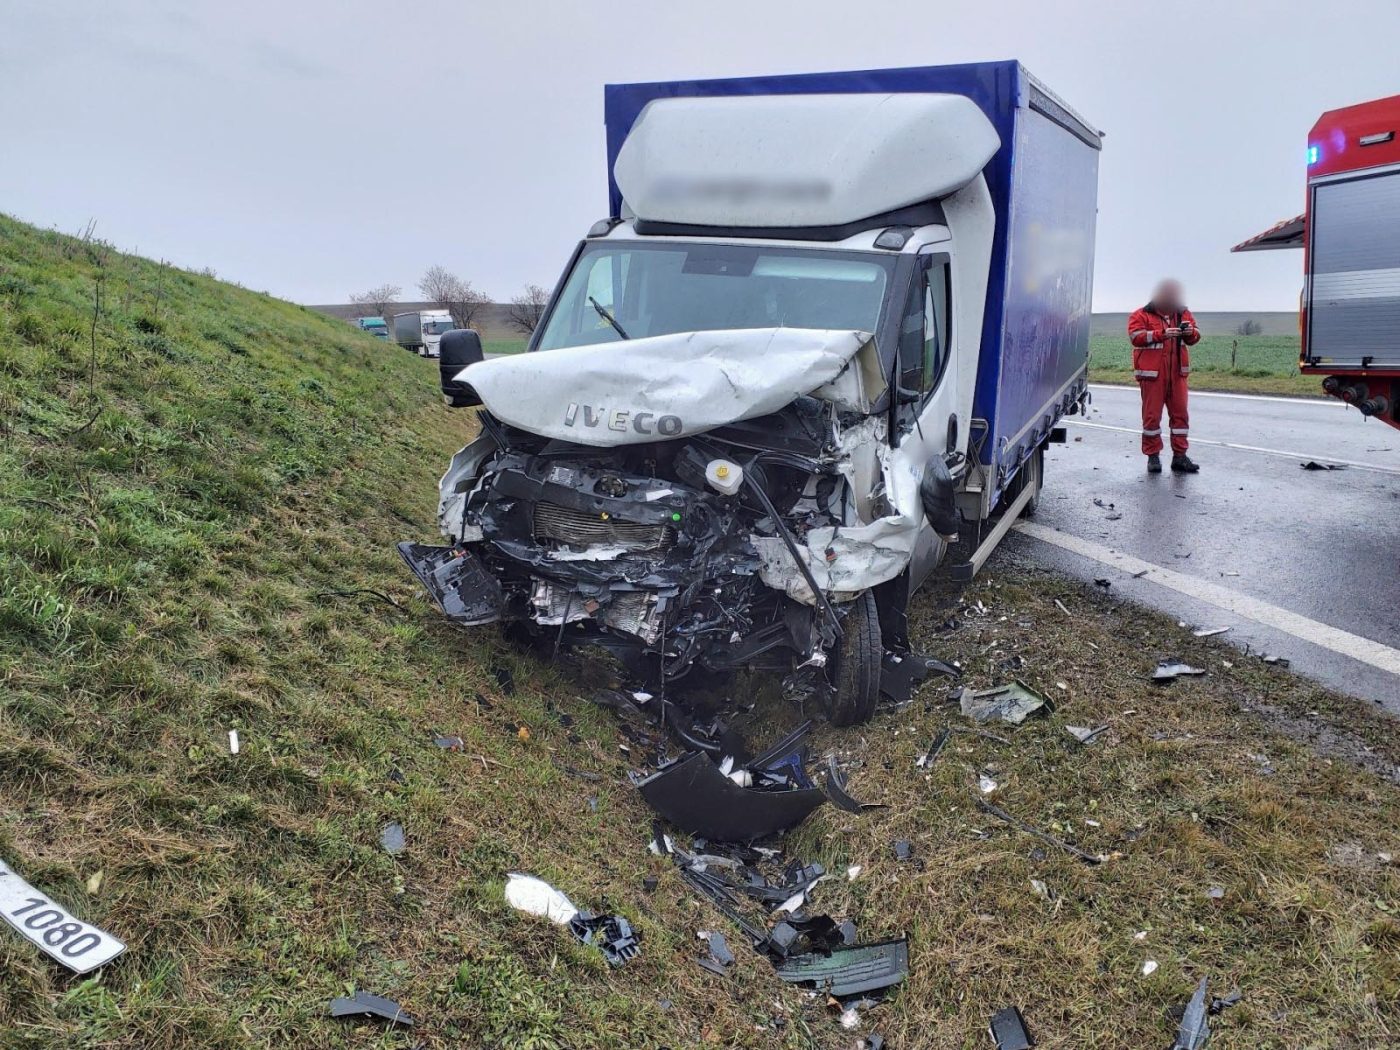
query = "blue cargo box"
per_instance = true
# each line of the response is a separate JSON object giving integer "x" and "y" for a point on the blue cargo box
{"x": 1044, "y": 187}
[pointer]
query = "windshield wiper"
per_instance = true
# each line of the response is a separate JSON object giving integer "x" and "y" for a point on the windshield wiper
{"x": 603, "y": 313}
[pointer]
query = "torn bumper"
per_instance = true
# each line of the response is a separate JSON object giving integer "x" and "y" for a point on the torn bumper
{"x": 457, "y": 581}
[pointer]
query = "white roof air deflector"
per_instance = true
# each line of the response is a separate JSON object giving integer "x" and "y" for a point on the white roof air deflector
{"x": 799, "y": 160}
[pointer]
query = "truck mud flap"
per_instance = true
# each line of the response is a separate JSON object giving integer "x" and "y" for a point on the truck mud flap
{"x": 697, "y": 798}
{"x": 456, "y": 581}
{"x": 850, "y": 971}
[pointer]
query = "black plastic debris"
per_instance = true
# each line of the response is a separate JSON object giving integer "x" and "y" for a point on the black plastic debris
{"x": 611, "y": 934}
{"x": 392, "y": 838}
{"x": 696, "y": 797}
{"x": 505, "y": 678}
{"x": 649, "y": 883}
{"x": 874, "y": 1041}
{"x": 934, "y": 749}
{"x": 850, "y": 971}
{"x": 1313, "y": 464}
{"x": 456, "y": 581}
{"x": 1044, "y": 836}
{"x": 1012, "y": 703}
{"x": 835, "y": 789}
{"x": 903, "y": 851}
{"x": 1008, "y": 1030}
{"x": 1194, "y": 1030}
{"x": 720, "y": 958}
{"x": 1171, "y": 670}
{"x": 902, "y": 673}
{"x": 362, "y": 1004}
{"x": 1104, "y": 582}
{"x": 1276, "y": 661}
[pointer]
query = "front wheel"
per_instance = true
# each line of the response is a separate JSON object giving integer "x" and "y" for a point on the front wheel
{"x": 853, "y": 668}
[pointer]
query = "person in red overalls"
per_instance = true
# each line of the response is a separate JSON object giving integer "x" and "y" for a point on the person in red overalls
{"x": 1160, "y": 333}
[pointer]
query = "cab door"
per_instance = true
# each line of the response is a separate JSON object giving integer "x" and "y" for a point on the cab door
{"x": 926, "y": 423}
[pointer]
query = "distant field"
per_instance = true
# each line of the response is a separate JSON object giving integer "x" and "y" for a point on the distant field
{"x": 504, "y": 346}
{"x": 1264, "y": 364}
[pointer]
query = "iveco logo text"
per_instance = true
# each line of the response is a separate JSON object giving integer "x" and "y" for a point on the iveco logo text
{"x": 619, "y": 419}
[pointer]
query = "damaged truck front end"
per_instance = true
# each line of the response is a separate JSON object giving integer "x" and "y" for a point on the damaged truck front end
{"x": 683, "y": 532}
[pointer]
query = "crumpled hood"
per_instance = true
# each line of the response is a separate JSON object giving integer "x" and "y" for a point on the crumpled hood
{"x": 667, "y": 386}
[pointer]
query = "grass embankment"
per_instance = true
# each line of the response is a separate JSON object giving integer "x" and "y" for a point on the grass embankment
{"x": 1264, "y": 364}
{"x": 188, "y": 546}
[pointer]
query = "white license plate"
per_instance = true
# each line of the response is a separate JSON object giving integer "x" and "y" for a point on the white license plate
{"x": 77, "y": 945}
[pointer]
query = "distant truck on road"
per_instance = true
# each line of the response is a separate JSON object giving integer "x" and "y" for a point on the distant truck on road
{"x": 375, "y": 326}
{"x": 422, "y": 330}
{"x": 1349, "y": 315}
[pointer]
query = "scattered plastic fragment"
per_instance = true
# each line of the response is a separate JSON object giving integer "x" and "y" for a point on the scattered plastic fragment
{"x": 1313, "y": 464}
{"x": 850, "y": 970}
{"x": 836, "y": 790}
{"x": 1012, "y": 703}
{"x": 1084, "y": 734}
{"x": 853, "y": 873}
{"x": 1171, "y": 670}
{"x": 1008, "y": 1030}
{"x": 362, "y": 1004}
{"x": 1141, "y": 573}
{"x": 986, "y": 784}
{"x": 1103, "y": 582}
{"x": 450, "y": 743}
{"x": 1149, "y": 967}
{"x": 695, "y": 796}
{"x": 903, "y": 851}
{"x": 850, "y": 1019}
{"x": 1061, "y": 606}
{"x": 1277, "y": 661}
{"x": 233, "y": 741}
{"x": 528, "y": 894}
{"x": 1044, "y": 836}
{"x": 939, "y": 742}
{"x": 1216, "y": 893}
{"x": 94, "y": 881}
{"x": 1209, "y": 632}
{"x": 902, "y": 673}
{"x": 1194, "y": 1030}
{"x": 392, "y": 838}
{"x": 1039, "y": 887}
{"x": 611, "y": 934}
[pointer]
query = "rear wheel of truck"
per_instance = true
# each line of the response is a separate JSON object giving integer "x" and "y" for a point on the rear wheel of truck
{"x": 853, "y": 667}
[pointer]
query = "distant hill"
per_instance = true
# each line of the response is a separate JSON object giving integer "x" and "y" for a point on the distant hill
{"x": 495, "y": 324}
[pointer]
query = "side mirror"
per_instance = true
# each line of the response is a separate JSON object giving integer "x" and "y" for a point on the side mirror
{"x": 937, "y": 495}
{"x": 458, "y": 349}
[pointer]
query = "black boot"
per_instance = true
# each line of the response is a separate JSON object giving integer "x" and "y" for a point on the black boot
{"x": 1154, "y": 464}
{"x": 1182, "y": 464}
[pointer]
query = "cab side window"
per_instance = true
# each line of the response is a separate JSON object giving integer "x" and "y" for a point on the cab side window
{"x": 923, "y": 332}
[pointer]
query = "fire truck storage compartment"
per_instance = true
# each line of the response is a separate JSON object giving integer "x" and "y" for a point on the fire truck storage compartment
{"x": 1354, "y": 259}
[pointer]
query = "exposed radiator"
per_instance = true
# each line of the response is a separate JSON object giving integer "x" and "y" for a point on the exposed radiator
{"x": 581, "y": 529}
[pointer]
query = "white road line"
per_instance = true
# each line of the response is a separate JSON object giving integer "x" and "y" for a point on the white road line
{"x": 1306, "y": 401}
{"x": 1301, "y": 457}
{"x": 1338, "y": 641}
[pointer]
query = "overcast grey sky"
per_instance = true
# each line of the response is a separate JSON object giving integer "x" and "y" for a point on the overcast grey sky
{"x": 313, "y": 148}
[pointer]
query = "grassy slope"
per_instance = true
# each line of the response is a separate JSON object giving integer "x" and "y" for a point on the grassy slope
{"x": 165, "y": 576}
{"x": 1264, "y": 364}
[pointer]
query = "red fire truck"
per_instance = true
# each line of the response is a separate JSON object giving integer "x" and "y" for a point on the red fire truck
{"x": 1349, "y": 315}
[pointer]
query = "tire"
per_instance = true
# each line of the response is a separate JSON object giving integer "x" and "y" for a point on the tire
{"x": 853, "y": 668}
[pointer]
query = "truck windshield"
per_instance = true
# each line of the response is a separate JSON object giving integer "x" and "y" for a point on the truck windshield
{"x": 660, "y": 289}
{"x": 437, "y": 327}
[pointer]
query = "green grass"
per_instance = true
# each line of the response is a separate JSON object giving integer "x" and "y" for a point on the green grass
{"x": 504, "y": 346}
{"x": 188, "y": 536}
{"x": 1264, "y": 364}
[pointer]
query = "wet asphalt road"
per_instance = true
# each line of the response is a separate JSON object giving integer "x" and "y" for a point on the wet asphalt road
{"x": 1301, "y": 564}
